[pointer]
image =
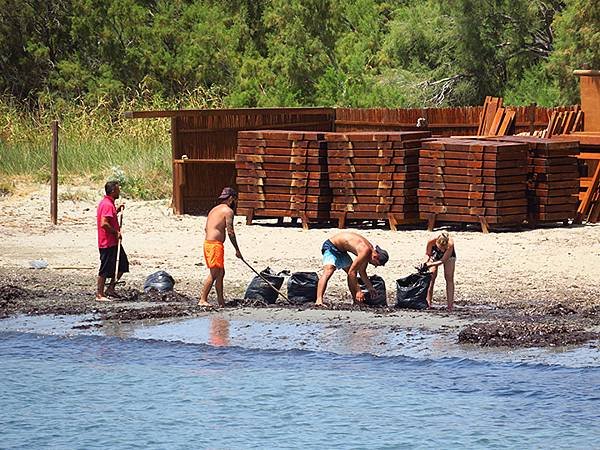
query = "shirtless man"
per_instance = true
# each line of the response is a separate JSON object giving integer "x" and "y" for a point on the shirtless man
{"x": 335, "y": 256}
{"x": 219, "y": 219}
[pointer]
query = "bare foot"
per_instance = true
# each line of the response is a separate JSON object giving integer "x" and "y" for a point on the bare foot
{"x": 103, "y": 299}
{"x": 204, "y": 303}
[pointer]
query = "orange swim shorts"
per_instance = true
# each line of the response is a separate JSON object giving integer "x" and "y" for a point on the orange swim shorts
{"x": 214, "y": 254}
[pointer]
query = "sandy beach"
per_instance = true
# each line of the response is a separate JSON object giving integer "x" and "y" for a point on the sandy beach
{"x": 543, "y": 281}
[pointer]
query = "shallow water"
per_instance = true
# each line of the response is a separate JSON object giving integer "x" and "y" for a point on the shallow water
{"x": 239, "y": 384}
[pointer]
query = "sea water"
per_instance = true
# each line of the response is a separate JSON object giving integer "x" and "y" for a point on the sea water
{"x": 217, "y": 383}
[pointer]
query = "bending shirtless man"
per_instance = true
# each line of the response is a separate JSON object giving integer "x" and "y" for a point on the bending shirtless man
{"x": 335, "y": 256}
{"x": 219, "y": 219}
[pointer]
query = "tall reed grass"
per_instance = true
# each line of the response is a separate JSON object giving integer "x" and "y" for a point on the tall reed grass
{"x": 96, "y": 143}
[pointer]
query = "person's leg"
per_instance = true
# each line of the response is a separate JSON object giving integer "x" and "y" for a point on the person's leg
{"x": 350, "y": 288}
{"x": 102, "y": 274}
{"x": 449, "y": 276}
{"x": 218, "y": 276}
{"x": 328, "y": 271}
{"x": 123, "y": 268}
{"x": 100, "y": 287}
{"x": 206, "y": 287}
{"x": 433, "y": 271}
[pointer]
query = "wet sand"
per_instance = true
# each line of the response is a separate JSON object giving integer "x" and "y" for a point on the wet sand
{"x": 517, "y": 288}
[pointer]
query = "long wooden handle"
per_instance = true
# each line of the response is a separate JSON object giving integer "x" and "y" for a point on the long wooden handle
{"x": 118, "y": 249}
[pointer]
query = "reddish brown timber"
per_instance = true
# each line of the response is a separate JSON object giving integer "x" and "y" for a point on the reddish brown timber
{"x": 287, "y": 182}
{"x": 475, "y": 210}
{"x": 378, "y": 136}
{"x": 562, "y": 200}
{"x": 281, "y": 159}
{"x": 273, "y": 174}
{"x": 379, "y": 160}
{"x": 291, "y": 166}
{"x": 550, "y": 177}
{"x": 572, "y": 170}
{"x": 475, "y": 202}
{"x": 257, "y": 204}
{"x": 514, "y": 219}
{"x": 553, "y": 161}
{"x": 569, "y": 184}
{"x": 470, "y": 179}
{"x": 471, "y": 164}
{"x": 428, "y": 193}
{"x": 473, "y": 187}
{"x": 359, "y": 207}
{"x": 520, "y": 171}
{"x": 441, "y": 155}
{"x": 551, "y": 193}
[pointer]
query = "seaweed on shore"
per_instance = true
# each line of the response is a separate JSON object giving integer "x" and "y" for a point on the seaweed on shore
{"x": 523, "y": 334}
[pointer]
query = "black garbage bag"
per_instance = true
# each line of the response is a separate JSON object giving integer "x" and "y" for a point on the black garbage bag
{"x": 411, "y": 291}
{"x": 160, "y": 281}
{"x": 379, "y": 285}
{"x": 259, "y": 290}
{"x": 302, "y": 287}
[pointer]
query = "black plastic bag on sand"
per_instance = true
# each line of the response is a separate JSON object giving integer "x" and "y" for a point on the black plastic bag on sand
{"x": 259, "y": 290}
{"x": 411, "y": 291}
{"x": 302, "y": 287}
{"x": 159, "y": 281}
{"x": 379, "y": 285}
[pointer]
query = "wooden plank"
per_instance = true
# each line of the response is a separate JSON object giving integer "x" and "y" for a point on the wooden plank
{"x": 496, "y": 122}
{"x": 442, "y": 155}
{"x": 506, "y": 122}
{"x": 464, "y": 187}
{"x": 506, "y": 220}
{"x": 432, "y": 193}
{"x": 475, "y": 172}
{"x": 584, "y": 207}
{"x": 498, "y": 164}
{"x": 470, "y": 179}
{"x": 477, "y": 210}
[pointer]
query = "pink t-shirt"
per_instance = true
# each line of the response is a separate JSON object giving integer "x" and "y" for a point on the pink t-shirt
{"x": 106, "y": 208}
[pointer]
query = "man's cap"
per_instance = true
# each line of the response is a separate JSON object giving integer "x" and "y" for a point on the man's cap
{"x": 383, "y": 255}
{"x": 227, "y": 192}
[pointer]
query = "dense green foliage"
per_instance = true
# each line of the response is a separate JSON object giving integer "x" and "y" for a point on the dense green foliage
{"x": 86, "y": 61}
{"x": 296, "y": 52}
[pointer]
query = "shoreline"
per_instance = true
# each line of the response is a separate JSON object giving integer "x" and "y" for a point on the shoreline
{"x": 514, "y": 288}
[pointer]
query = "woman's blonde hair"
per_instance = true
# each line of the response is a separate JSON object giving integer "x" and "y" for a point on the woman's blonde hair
{"x": 443, "y": 239}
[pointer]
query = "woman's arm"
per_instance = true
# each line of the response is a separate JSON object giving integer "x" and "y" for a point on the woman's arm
{"x": 446, "y": 257}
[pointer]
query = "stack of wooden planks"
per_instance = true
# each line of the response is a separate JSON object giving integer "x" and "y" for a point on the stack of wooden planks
{"x": 563, "y": 122}
{"x": 283, "y": 174}
{"x": 374, "y": 175}
{"x": 469, "y": 180}
{"x": 495, "y": 120}
{"x": 553, "y": 178}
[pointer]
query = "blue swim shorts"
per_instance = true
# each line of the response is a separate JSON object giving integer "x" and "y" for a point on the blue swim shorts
{"x": 332, "y": 256}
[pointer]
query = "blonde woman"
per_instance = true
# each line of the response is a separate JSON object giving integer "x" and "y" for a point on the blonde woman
{"x": 440, "y": 251}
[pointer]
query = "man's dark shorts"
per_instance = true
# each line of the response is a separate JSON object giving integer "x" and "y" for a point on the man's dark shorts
{"x": 108, "y": 260}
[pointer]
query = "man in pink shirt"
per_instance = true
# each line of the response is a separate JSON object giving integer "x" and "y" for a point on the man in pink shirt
{"x": 109, "y": 238}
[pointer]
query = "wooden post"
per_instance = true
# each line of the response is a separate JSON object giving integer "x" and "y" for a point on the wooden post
{"x": 178, "y": 169}
{"x": 54, "y": 174}
{"x": 531, "y": 111}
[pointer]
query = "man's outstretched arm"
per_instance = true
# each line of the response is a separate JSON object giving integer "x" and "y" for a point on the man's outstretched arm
{"x": 231, "y": 234}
